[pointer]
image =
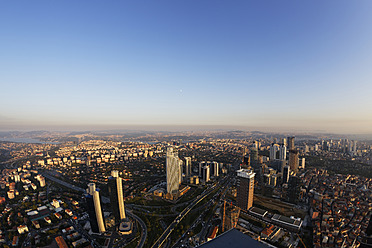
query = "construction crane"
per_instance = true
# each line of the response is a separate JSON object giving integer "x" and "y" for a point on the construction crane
{"x": 223, "y": 217}
{"x": 301, "y": 240}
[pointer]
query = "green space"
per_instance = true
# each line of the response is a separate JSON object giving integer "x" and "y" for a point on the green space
{"x": 154, "y": 229}
{"x": 345, "y": 167}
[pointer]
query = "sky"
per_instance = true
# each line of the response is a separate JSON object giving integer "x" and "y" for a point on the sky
{"x": 265, "y": 64}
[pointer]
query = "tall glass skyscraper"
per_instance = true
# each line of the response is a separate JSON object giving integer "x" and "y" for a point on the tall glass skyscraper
{"x": 116, "y": 196}
{"x": 173, "y": 164}
{"x": 94, "y": 209}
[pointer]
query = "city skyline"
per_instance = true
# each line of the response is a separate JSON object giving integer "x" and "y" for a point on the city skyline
{"x": 289, "y": 65}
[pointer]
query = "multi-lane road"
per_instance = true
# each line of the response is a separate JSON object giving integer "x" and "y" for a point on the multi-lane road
{"x": 178, "y": 219}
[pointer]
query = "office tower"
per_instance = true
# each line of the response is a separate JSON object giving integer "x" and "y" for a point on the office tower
{"x": 293, "y": 160}
{"x": 214, "y": 168}
{"x": 188, "y": 166}
{"x": 245, "y": 185}
{"x": 116, "y": 196}
{"x": 273, "y": 180}
{"x": 291, "y": 143}
{"x": 173, "y": 164}
{"x": 94, "y": 209}
{"x": 254, "y": 155}
{"x": 302, "y": 163}
{"x": 293, "y": 189}
{"x": 180, "y": 171}
{"x": 286, "y": 172}
{"x": 201, "y": 164}
{"x": 274, "y": 148}
{"x": 284, "y": 142}
{"x": 206, "y": 173}
{"x": 282, "y": 152}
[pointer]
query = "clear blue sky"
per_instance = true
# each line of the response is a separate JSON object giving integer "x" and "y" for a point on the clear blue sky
{"x": 294, "y": 65}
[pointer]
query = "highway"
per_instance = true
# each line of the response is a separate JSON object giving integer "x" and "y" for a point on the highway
{"x": 69, "y": 185}
{"x": 178, "y": 219}
{"x": 143, "y": 226}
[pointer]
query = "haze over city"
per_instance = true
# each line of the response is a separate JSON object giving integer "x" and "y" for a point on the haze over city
{"x": 186, "y": 124}
{"x": 260, "y": 65}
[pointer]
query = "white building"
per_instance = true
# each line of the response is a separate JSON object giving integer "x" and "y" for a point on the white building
{"x": 274, "y": 148}
{"x": 173, "y": 166}
{"x": 188, "y": 166}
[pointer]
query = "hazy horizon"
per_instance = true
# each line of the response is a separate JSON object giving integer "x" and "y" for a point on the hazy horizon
{"x": 261, "y": 65}
{"x": 180, "y": 128}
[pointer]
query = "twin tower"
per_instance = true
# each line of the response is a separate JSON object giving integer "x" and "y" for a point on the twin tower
{"x": 96, "y": 217}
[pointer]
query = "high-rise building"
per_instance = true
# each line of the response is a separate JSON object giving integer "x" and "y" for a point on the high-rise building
{"x": 274, "y": 148}
{"x": 254, "y": 155}
{"x": 201, "y": 164}
{"x": 174, "y": 176}
{"x": 291, "y": 143}
{"x": 286, "y": 172}
{"x": 188, "y": 166}
{"x": 302, "y": 163}
{"x": 293, "y": 189}
{"x": 245, "y": 185}
{"x": 214, "y": 168}
{"x": 206, "y": 173}
{"x": 293, "y": 160}
{"x": 116, "y": 196}
{"x": 282, "y": 152}
{"x": 283, "y": 141}
{"x": 94, "y": 209}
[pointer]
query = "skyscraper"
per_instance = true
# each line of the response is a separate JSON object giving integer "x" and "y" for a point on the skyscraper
{"x": 201, "y": 164}
{"x": 286, "y": 172}
{"x": 245, "y": 185}
{"x": 293, "y": 160}
{"x": 291, "y": 144}
{"x": 188, "y": 166}
{"x": 206, "y": 173}
{"x": 116, "y": 196}
{"x": 282, "y": 152}
{"x": 94, "y": 209}
{"x": 173, "y": 164}
{"x": 274, "y": 148}
{"x": 216, "y": 169}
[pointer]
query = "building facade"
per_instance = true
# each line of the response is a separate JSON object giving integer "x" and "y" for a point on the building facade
{"x": 94, "y": 209}
{"x": 115, "y": 184}
{"x": 173, "y": 166}
{"x": 245, "y": 186}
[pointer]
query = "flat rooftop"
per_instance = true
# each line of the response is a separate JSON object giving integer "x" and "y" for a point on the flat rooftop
{"x": 258, "y": 211}
{"x": 234, "y": 239}
{"x": 286, "y": 220}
